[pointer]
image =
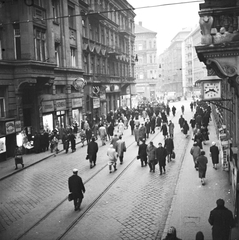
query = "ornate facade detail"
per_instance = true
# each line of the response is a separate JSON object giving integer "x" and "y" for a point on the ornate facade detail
{"x": 206, "y": 25}
{"x": 222, "y": 69}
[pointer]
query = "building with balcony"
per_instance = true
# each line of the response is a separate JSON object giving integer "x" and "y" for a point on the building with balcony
{"x": 61, "y": 61}
{"x": 146, "y": 67}
{"x": 172, "y": 60}
{"x": 194, "y": 69}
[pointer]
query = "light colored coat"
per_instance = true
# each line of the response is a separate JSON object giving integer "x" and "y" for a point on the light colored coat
{"x": 112, "y": 154}
{"x": 171, "y": 128}
{"x": 102, "y": 132}
{"x": 136, "y": 134}
{"x": 195, "y": 152}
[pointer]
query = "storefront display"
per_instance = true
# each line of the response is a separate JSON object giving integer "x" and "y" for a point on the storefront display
{"x": 48, "y": 122}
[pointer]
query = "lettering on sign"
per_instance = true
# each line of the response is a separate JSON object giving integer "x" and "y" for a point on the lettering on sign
{"x": 96, "y": 102}
{"x": 76, "y": 102}
{"x": 47, "y": 106}
{"x": 10, "y": 127}
{"x": 61, "y": 105}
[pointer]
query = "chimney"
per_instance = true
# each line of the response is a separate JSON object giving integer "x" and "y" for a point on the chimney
{"x": 140, "y": 23}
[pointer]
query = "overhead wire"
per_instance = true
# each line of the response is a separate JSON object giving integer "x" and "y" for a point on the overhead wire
{"x": 100, "y": 12}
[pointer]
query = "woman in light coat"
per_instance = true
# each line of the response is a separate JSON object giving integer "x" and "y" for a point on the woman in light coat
{"x": 171, "y": 128}
{"x": 136, "y": 134}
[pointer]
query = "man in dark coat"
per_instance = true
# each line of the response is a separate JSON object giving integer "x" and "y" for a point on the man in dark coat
{"x": 169, "y": 146}
{"x": 161, "y": 154}
{"x": 181, "y": 121}
{"x": 222, "y": 221}
{"x": 72, "y": 139}
{"x": 214, "y": 152}
{"x": 148, "y": 127}
{"x": 202, "y": 166}
{"x": 164, "y": 130}
{"x": 131, "y": 123}
{"x": 92, "y": 150}
{"x": 77, "y": 188}
{"x": 142, "y": 153}
{"x": 174, "y": 110}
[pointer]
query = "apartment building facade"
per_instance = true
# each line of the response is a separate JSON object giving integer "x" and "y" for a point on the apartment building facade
{"x": 146, "y": 68}
{"x": 61, "y": 61}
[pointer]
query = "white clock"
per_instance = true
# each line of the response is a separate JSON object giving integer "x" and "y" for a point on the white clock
{"x": 211, "y": 90}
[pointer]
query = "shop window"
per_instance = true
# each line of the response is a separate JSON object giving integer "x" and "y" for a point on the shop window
{"x": 73, "y": 57}
{"x": 2, "y": 107}
{"x": 71, "y": 18}
{"x": 17, "y": 41}
{"x": 40, "y": 44}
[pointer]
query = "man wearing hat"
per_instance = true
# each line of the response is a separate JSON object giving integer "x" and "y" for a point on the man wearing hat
{"x": 77, "y": 188}
{"x": 222, "y": 221}
{"x": 214, "y": 153}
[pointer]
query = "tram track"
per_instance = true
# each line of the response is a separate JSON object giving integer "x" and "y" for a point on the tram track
{"x": 90, "y": 206}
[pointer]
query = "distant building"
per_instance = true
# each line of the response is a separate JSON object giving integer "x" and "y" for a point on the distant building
{"x": 146, "y": 67}
{"x": 172, "y": 65}
{"x": 194, "y": 69}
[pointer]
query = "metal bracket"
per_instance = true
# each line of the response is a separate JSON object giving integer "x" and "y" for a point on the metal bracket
{"x": 213, "y": 102}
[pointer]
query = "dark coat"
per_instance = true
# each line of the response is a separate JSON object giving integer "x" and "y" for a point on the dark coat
{"x": 222, "y": 221}
{"x": 169, "y": 145}
{"x": 110, "y": 130}
{"x": 161, "y": 154}
{"x": 185, "y": 128}
{"x": 181, "y": 121}
{"x": 132, "y": 124}
{"x": 142, "y": 153}
{"x": 193, "y": 123}
{"x": 148, "y": 126}
{"x": 202, "y": 166}
{"x": 214, "y": 154}
{"x": 198, "y": 138}
{"x": 92, "y": 150}
{"x": 159, "y": 121}
{"x": 164, "y": 130}
{"x": 76, "y": 186}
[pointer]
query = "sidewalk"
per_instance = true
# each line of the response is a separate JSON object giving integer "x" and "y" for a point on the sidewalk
{"x": 7, "y": 168}
{"x": 193, "y": 202}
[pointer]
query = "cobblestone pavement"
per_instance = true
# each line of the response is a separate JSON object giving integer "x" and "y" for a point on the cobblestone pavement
{"x": 136, "y": 207}
{"x": 139, "y": 199}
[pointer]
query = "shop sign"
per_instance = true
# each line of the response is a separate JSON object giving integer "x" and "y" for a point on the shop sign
{"x": 18, "y": 126}
{"x": 76, "y": 102}
{"x": 47, "y": 106}
{"x": 96, "y": 102}
{"x": 61, "y": 104}
{"x": 10, "y": 127}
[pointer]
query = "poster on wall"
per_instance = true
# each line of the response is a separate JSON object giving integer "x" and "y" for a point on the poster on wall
{"x": 10, "y": 127}
{"x": 96, "y": 103}
{"x": 2, "y": 145}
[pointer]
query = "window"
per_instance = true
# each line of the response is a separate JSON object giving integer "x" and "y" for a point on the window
{"x": 55, "y": 10}
{"x": 38, "y": 3}
{"x": 140, "y": 46}
{"x": 57, "y": 54}
{"x": 96, "y": 34}
{"x": 150, "y": 45}
{"x": 2, "y": 107}
{"x": 83, "y": 28}
{"x": 85, "y": 64}
{"x": 73, "y": 57}
{"x": 102, "y": 35}
{"x": 150, "y": 59}
{"x": 107, "y": 37}
{"x": 71, "y": 18}
{"x": 1, "y": 44}
{"x": 60, "y": 89}
{"x": 17, "y": 41}
{"x": 40, "y": 44}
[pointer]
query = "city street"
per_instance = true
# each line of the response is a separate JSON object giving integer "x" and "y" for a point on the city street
{"x": 136, "y": 198}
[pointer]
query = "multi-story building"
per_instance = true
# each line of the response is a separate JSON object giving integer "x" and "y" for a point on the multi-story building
{"x": 194, "y": 69}
{"x": 172, "y": 65}
{"x": 146, "y": 67}
{"x": 60, "y": 61}
{"x": 219, "y": 51}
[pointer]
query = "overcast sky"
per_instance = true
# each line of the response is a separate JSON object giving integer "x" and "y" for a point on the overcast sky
{"x": 167, "y": 21}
